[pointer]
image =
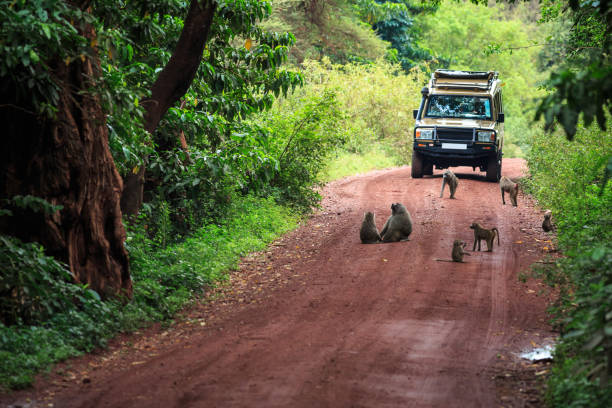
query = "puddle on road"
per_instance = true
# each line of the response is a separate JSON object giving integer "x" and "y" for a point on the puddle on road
{"x": 539, "y": 353}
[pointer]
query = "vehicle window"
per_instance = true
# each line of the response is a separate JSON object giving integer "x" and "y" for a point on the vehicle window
{"x": 458, "y": 106}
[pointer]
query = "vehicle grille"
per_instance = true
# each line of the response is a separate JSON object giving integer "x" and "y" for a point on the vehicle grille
{"x": 455, "y": 134}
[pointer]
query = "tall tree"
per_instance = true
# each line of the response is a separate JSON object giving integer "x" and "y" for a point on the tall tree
{"x": 171, "y": 84}
{"x": 55, "y": 144}
{"x": 239, "y": 74}
{"x": 69, "y": 75}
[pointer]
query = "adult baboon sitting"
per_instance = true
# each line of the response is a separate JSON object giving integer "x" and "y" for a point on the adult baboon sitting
{"x": 398, "y": 226}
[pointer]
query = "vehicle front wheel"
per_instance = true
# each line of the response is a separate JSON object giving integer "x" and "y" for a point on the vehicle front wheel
{"x": 417, "y": 165}
{"x": 494, "y": 169}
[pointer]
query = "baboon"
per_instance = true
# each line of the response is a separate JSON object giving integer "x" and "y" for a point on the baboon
{"x": 506, "y": 185}
{"x": 368, "y": 232}
{"x": 546, "y": 224}
{"x": 398, "y": 226}
{"x": 449, "y": 177}
{"x": 458, "y": 251}
{"x": 486, "y": 234}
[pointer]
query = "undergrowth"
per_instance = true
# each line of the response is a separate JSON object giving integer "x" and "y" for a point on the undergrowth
{"x": 567, "y": 178}
{"x": 69, "y": 320}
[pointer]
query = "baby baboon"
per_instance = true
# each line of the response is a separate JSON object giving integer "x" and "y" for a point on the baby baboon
{"x": 450, "y": 178}
{"x": 368, "y": 232}
{"x": 486, "y": 234}
{"x": 398, "y": 226}
{"x": 506, "y": 185}
{"x": 458, "y": 251}
{"x": 546, "y": 224}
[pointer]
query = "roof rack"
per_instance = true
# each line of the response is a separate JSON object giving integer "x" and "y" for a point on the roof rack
{"x": 450, "y": 79}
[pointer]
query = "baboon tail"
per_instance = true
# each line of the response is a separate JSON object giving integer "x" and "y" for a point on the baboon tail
{"x": 443, "y": 183}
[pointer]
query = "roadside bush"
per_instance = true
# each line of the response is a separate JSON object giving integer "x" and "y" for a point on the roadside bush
{"x": 186, "y": 190}
{"x": 304, "y": 129}
{"x": 34, "y": 286}
{"x": 377, "y": 99}
{"x": 45, "y": 317}
{"x": 566, "y": 177}
{"x": 167, "y": 278}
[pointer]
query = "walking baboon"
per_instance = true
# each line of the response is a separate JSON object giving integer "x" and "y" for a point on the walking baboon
{"x": 458, "y": 251}
{"x": 398, "y": 226}
{"x": 506, "y": 185}
{"x": 546, "y": 224}
{"x": 368, "y": 232}
{"x": 449, "y": 177}
{"x": 486, "y": 234}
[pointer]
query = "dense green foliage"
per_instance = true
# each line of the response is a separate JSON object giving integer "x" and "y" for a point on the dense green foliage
{"x": 61, "y": 319}
{"x": 565, "y": 177}
{"x": 305, "y": 129}
{"x": 393, "y": 21}
{"x": 45, "y": 316}
{"x": 34, "y": 287}
{"x": 33, "y": 36}
{"x": 580, "y": 92}
{"x": 329, "y": 28}
{"x": 583, "y": 85}
{"x": 377, "y": 100}
{"x": 240, "y": 74}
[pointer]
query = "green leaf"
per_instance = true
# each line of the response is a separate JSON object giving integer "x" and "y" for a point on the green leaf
{"x": 93, "y": 294}
{"x": 598, "y": 254}
{"x": 46, "y": 30}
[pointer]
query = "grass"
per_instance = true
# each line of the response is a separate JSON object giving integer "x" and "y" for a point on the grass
{"x": 348, "y": 164}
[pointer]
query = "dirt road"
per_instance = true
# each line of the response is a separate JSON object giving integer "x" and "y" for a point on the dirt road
{"x": 321, "y": 320}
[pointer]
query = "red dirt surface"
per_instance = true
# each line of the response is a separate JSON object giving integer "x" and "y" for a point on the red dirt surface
{"x": 321, "y": 320}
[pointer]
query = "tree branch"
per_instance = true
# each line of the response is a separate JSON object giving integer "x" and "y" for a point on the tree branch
{"x": 176, "y": 77}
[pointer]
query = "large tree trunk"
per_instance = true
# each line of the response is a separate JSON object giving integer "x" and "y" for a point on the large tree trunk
{"x": 66, "y": 161}
{"x": 173, "y": 81}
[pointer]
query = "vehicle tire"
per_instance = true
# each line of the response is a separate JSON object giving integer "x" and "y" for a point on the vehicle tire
{"x": 417, "y": 165}
{"x": 493, "y": 169}
{"x": 428, "y": 168}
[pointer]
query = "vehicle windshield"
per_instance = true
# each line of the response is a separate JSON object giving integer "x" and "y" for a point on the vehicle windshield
{"x": 458, "y": 106}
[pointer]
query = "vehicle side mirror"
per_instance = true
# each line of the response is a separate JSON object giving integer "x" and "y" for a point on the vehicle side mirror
{"x": 500, "y": 117}
{"x": 415, "y": 113}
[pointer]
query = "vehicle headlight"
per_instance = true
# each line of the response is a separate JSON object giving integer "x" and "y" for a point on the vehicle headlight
{"x": 486, "y": 136}
{"x": 424, "y": 133}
